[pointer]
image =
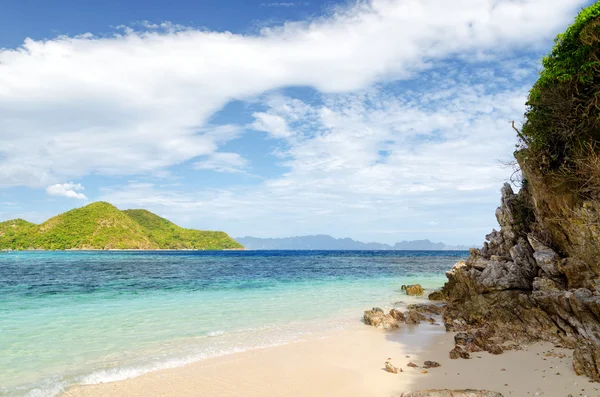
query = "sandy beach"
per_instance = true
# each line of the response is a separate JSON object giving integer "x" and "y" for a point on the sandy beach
{"x": 351, "y": 363}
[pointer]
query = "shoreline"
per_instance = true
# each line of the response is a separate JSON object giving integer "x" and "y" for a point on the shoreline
{"x": 350, "y": 362}
{"x": 218, "y": 250}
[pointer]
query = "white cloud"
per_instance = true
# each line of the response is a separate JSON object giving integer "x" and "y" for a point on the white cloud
{"x": 374, "y": 165}
{"x": 275, "y": 125}
{"x": 68, "y": 189}
{"x": 222, "y": 162}
{"x": 138, "y": 103}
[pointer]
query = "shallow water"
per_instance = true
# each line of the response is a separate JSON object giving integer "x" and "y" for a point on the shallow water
{"x": 89, "y": 317}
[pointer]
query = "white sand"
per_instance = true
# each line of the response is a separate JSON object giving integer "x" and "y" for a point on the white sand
{"x": 350, "y": 363}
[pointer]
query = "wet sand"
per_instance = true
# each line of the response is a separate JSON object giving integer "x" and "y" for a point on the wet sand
{"x": 351, "y": 363}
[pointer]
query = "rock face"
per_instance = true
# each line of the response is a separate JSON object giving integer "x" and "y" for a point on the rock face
{"x": 415, "y": 289}
{"x": 535, "y": 279}
{"x": 452, "y": 393}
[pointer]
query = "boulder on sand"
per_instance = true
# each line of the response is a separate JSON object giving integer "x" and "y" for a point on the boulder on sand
{"x": 390, "y": 368}
{"x": 377, "y": 318}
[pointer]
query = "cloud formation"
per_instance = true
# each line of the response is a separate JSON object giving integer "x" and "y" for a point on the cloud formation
{"x": 138, "y": 102}
{"x": 68, "y": 189}
{"x": 380, "y": 164}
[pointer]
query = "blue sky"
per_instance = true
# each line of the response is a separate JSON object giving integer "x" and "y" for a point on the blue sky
{"x": 382, "y": 120}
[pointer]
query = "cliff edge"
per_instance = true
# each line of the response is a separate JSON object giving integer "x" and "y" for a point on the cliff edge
{"x": 538, "y": 277}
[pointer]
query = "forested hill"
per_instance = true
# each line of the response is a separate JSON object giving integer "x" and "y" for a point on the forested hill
{"x": 101, "y": 225}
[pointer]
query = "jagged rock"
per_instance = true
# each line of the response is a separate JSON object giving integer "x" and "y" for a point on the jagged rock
{"x": 437, "y": 296}
{"x": 431, "y": 364}
{"x": 451, "y": 393}
{"x": 414, "y": 289}
{"x": 546, "y": 258}
{"x": 494, "y": 349}
{"x": 544, "y": 284}
{"x": 377, "y": 318}
{"x": 523, "y": 290}
{"x": 390, "y": 368}
{"x": 397, "y": 315}
{"x": 426, "y": 308}
{"x": 459, "y": 352}
{"x": 479, "y": 340}
{"x": 412, "y": 365}
{"x": 578, "y": 273}
{"x": 586, "y": 360}
{"x": 463, "y": 339}
{"x": 467, "y": 342}
{"x": 414, "y": 317}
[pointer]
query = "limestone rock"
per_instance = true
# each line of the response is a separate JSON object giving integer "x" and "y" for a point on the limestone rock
{"x": 452, "y": 393}
{"x": 426, "y": 308}
{"x": 467, "y": 342}
{"x": 414, "y": 317}
{"x": 544, "y": 284}
{"x": 390, "y": 368}
{"x": 546, "y": 258}
{"x": 414, "y": 289}
{"x": 459, "y": 352}
{"x": 437, "y": 296}
{"x": 530, "y": 282}
{"x": 431, "y": 364}
{"x": 397, "y": 315}
{"x": 578, "y": 273}
{"x": 494, "y": 349}
{"x": 377, "y": 318}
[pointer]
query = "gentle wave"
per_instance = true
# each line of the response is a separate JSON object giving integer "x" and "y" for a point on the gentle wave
{"x": 124, "y": 315}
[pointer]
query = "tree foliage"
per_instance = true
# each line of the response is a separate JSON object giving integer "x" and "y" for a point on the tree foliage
{"x": 562, "y": 121}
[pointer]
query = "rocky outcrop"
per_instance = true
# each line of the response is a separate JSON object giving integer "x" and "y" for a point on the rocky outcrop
{"x": 414, "y": 289}
{"x": 452, "y": 393}
{"x": 376, "y": 317}
{"x": 523, "y": 285}
{"x": 426, "y": 308}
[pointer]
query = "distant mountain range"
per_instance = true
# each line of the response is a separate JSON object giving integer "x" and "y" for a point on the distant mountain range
{"x": 103, "y": 226}
{"x": 324, "y": 242}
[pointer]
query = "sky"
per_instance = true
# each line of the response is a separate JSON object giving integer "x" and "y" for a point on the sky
{"x": 382, "y": 120}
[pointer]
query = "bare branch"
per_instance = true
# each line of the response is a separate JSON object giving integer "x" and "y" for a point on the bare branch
{"x": 519, "y": 133}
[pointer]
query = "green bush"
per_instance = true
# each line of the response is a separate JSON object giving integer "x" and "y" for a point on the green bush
{"x": 562, "y": 120}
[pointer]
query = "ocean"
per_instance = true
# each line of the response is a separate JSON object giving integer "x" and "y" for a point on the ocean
{"x": 84, "y": 317}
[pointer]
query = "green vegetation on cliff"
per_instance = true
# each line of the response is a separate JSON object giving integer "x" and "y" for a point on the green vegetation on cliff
{"x": 103, "y": 226}
{"x": 562, "y": 129}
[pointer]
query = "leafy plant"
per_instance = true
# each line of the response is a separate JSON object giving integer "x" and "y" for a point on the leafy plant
{"x": 562, "y": 121}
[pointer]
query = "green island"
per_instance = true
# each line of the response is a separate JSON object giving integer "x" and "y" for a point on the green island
{"x": 102, "y": 226}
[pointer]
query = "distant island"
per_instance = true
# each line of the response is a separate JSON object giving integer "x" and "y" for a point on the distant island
{"x": 101, "y": 225}
{"x": 324, "y": 242}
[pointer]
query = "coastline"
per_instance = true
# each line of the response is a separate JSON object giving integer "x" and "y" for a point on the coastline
{"x": 350, "y": 362}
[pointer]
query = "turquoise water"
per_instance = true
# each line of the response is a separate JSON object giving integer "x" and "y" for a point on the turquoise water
{"x": 89, "y": 317}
